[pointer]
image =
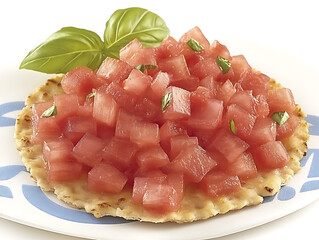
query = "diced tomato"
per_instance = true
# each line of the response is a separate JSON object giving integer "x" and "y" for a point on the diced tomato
{"x": 271, "y": 155}
{"x": 176, "y": 66}
{"x": 263, "y": 131}
{"x": 44, "y": 128}
{"x": 179, "y": 142}
{"x": 189, "y": 84}
{"x": 78, "y": 81}
{"x": 206, "y": 67}
{"x": 119, "y": 152}
{"x": 152, "y": 158}
{"x": 179, "y": 105}
{"x": 288, "y": 128}
{"x": 194, "y": 162}
{"x": 142, "y": 184}
{"x": 89, "y": 150}
{"x": 76, "y": 127}
{"x": 114, "y": 70}
{"x": 124, "y": 124}
{"x": 210, "y": 83}
{"x": 122, "y": 97}
{"x": 148, "y": 110}
{"x": 137, "y": 82}
{"x": 160, "y": 83}
{"x": 244, "y": 167}
{"x": 135, "y": 54}
{"x": 144, "y": 134}
{"x": 280, "y": 100}
{"x": 57, "y": 150}
{"x": 243, "y": 120}
{"x": 67, "y": 105}
{"x": 257, "y": 82}
{"x": 225, "y": 92}
{"x": 244, "y": 99}
{"x": 228, "y": 144}
{"x": 196, "y": 34}
{"x": 62, "y": 171}
{"x": 104, "y": 178}
{"x": 105, "y": 132}
{"x": 207, "y": 115}
{"x": 261, "y": 106}
{"x": 218, "y": 49}
{"x": 217, "y": 183}
{"x": 200, "y": 95}
{"x": 105, "y": 108}
{"x": 239, "y": 65}
{"x": 168, "y": 48}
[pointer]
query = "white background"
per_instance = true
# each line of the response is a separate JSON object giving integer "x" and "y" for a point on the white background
{"x": 289, "y": 26}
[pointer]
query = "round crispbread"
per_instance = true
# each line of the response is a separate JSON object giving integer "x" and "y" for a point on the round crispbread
{"x": 195, "y": 205}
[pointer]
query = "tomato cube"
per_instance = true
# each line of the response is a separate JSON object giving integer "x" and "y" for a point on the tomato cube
{"x": 228, "y": 144}
{"x": 104, "y": 178}
{"x": 137, "y": 82}
{"x": 152, "y": 158}
{"x": 218, "y": 183}
{"x": 178, "y": 107}
{"x": 218, "y": 49}
{"x": 225, "y": 92}
{"x": 168, "y": 48}
{"x": 271, "y": 155}
{"x": 244, "y": 167}
{"x": 244, "y": 99}
{"x": 160, "y": 83}
{"x": 193, "y": 162}
{"x": 124, "y": 124}
{"x": 67, "y": 105}
{"x": 206, "y": 67}
{"x": 89, "y": 150}
{"x": 207, "y": 115}
{"x": 114, "y": 70}
{"x": 61, "y": 171}
{"x": 144, "y": 134}
{"x": 178, "y": 143}
{"x": 122, "y": 97}
{"x": 239, "y": 65}
{"x": 257, "y": 82}
{"x": 176, "y": 66}
{"x": 119, "y": 152}
{"x": 280, "y": 100}
{"x": 78, "y": 81}
{"x": 105, "y": 109}
{"x": 57, "y": 150}
{"x": 288, "y": 128}
{"x": 263, "y": 131}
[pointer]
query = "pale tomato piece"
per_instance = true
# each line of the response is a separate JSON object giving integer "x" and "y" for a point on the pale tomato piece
{"x": 263, "y": 131}
{"x": 64, "y": 171}
{"x": 168, "y": 48}
{"x": 225, "y": 92}
{"x": 288, "y": 128}
{"x": 280, "y": 100}
{"x": 271, "y": 155}
{"x": 137, "y": 82}
{"x": 66, "y": 105}
{"x": 152, "y": 158}
{"x": 218, "y": 49}
{"x": 257, "y": 82}
{"x": 57, "y": 150}
{"x": 144, "y": 134}
{"x": 244, "y": 167}
{"x": 160, "y": 83}
{"x": 178, "y": 143}
{"x": 104, "y": 178}
{"x": 239, "y": 65}
{"x": 176, "y": 66}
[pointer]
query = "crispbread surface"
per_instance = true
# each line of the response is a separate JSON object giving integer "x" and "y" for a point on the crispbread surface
{"x": 195, "y": 205}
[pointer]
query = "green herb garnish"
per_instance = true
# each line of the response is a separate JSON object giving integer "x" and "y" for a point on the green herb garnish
{"x": 142, "y": 67}
{"x": 194, "y": 45}
{"x": 223, "y": 64}
{"x": 232, "y": 126}
{"x": 72, "y": 47}
{"x": 51, "y": 111}
{"x": 166, "y": 100}
{"x": 90, "y": 95}
{"x": 280, "y": 117}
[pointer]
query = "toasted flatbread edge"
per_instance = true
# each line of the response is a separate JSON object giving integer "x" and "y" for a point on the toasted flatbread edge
{"x": 195, "y": 205}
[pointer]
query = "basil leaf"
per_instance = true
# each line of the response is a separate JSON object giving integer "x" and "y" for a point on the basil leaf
{"x": 280, "y": 117}
{"x": 51, "y": 111}
{"x": 127, "y": 24}
{"x": 166, "y": 100}
{"x": 142, "y": 67}
{"x": 194, "y": 45}
{"x": 232, "y": 126}
{"x": 90, "y": 95}
{"x": 65, "y": 50}
{"x": 223, "y": 64}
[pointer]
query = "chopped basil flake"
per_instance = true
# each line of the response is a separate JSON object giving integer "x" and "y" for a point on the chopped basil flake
{"x": 194, "y": 45}
{"x": 232, "y": 126}
{"x": 51, "y": 111}
{"x": 280, "y": 117}
{"x": 142, "y": 67}
{"x": 223, "y": 64}
{"x": 90, "y": 95}
{"x": 166, "y": 100}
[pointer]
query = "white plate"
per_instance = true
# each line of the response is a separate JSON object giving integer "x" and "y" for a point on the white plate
{"x": 22, "y": 201}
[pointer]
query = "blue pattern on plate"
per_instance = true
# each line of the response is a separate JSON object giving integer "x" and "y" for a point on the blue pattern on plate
{"x": 5, "y": 192}
{"x": 6, "y": 108}
{"x": 37, "y": 198}
{"x": 10, "y": 171}
{"x": 314, "y": 124}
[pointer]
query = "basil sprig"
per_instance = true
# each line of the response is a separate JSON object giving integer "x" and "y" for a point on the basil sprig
{"x": 72, "y": 47}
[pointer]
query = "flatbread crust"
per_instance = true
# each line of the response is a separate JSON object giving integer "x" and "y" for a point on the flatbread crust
{"x": 195, "y": 205}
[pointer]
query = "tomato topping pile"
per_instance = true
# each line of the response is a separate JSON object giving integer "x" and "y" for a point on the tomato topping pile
{"x": 159, "y": 119}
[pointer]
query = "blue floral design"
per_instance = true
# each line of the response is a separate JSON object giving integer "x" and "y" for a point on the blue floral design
{"x": 6, "y": 108}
